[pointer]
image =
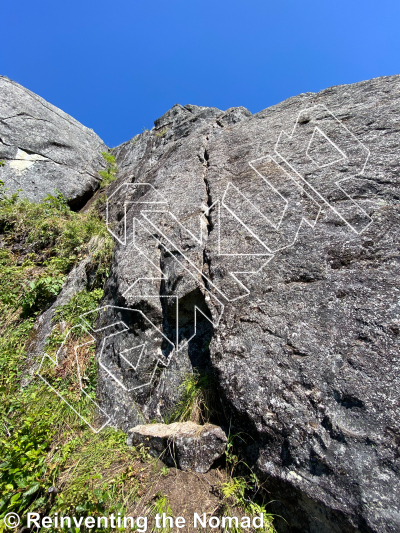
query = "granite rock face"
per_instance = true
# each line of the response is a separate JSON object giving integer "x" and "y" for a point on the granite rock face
{"x": 186, "y": 445}
{"x": 45, "y": 149}
{"x": 265, "y": 249}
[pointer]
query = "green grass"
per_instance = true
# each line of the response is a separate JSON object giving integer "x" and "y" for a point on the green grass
{"x": 48, "y": 445}
{"x": 108, "y": 175}
{"x": 235, "y": 494}
{"x": 161, "y": 133}
{"x": 197, "y": 401}
{"x": 82, "y": 302}
{"x": 160, "y": 505}
{"x": 43, "y": 443}
{"x": 42, "y": 243}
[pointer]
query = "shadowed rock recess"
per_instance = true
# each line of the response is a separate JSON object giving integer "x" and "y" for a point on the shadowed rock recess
{"x": 274, "y": 279}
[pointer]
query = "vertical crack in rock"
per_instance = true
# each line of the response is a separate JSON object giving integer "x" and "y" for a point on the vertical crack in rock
{"x": 198, "y": 348}
{"x": 208, "y": 216}
{"x": 209, "y": 202}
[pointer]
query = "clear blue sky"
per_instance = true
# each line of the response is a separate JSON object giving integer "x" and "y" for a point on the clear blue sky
{"x": 117, "y": 66}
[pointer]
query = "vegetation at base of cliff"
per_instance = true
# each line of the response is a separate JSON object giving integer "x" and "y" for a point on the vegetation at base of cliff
{"x": 50, "y": 460}
{"x": 198, "y": 399}
{"x": 108, "y": 175}
{"x": 49, "y": 446}
{"x": 40, "y": 244}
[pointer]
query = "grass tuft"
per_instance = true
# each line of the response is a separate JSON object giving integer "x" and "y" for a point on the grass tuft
{"x": 198, "y": 399}
{"x": 161, "y": 133}
{"x": 108, "y": 175}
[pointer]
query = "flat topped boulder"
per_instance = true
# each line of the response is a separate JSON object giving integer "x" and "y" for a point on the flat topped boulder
{"x": 186, "y": 445}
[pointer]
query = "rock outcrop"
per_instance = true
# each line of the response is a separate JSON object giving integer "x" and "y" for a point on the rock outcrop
{"x": 45, "y": 149}
{"x": 265, "y": 249}
{"x": 186, "y": 445}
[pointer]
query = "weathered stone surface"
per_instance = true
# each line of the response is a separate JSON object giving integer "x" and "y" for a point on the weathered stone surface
{"x": 186, "y": 445}
{"x": 306, "y": 350}
{"x": 45, "y": 149}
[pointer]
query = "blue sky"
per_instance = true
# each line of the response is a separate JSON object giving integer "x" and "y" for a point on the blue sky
{"x": 117, "y": 66}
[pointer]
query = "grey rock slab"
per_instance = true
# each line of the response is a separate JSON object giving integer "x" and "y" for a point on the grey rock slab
{"x": 45, "y": 149}
{"x": 186, "y": 445}
{"x": 297, "y": 279}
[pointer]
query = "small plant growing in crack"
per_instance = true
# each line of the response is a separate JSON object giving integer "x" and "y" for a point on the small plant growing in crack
{"x": 197, "y": 401}
{"x": 108, "y": 175}
{"x": 162, "y": 132}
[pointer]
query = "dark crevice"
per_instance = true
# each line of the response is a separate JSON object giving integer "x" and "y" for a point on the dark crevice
{"x": 210, "y": 225}
{"x": 295, "y": 351}
{"x": 305, "y": 277}
{"x": 78, "y": 203}
{"x": 198, "y": 347}
{"x": 318, "y": 465}
{"x": 286, "y": 456}
{"x": 194, "y": 322}
{"x": 348, "y": 401}
{"x": 23, "y": 114}
{"x": 207, "y": 264}
{"x": 334, "y": 432}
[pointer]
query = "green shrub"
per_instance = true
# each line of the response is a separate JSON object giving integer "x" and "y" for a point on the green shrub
{"x": 82, "y": 302}
{"x": 23, "y": 469}
{"x": 40, "y": 291}
{"x": 44, "y": 444}
{"x": 240, "y": 492}
{"x": 108, "y": 175}
{"x": 158, "y": 506}
{"x": 40, "y": 436}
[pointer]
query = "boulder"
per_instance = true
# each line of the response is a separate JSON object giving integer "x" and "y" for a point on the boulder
{"x": 185, "y": 445}
{"x": 44, "y": 149}
{"x": 265, "y": 249}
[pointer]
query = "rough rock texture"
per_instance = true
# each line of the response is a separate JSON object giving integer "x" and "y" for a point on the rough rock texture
{"x": 45, "y": 149}
{"x": 305, "y": 349}
{"x": 186, "y": 445}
